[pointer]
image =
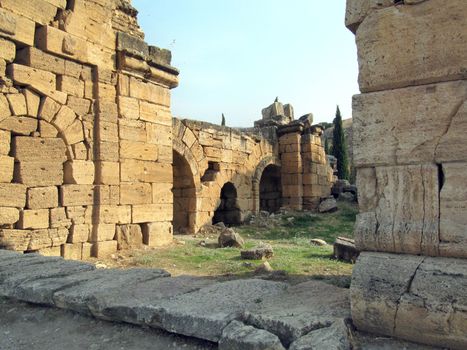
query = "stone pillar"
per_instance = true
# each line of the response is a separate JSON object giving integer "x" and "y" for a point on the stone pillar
{"x": 410, "y": 151}
{"x": 292, "y": 172}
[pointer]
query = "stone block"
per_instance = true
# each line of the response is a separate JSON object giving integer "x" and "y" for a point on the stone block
{"x": 108, "y": 151}
{"x": 72, "y": 195}
{"x": 149, "y": 92}
{"x": 129, "y": 236}
{"x": 19, "y": 125}
{"x": 8, "y": 216}
{"x": 80, "y": 106}
{"x": 138, "y": 150}
{"x": 151, "y": 213}
{"x": 72, "y": 251}
{"x": 64, "y": 118}
{"x": 383, "y": 124}
{"x": 5, "y": 139}
{"x": 451, "y": 146}
{"x": 79, "y": 172}
{"x": 102, "y": 232}
{"x": 39, "y": 80}
{"x": 48, "y": 109}
{"x": 5, "y": 111}
{"x": 112, "y": 214}
{"x": 35, "y": 148}
{"x": 59, "y": 219}
{"x": 12, "y": 195}
{"x": 14, "y": 239}
{"x": 128, "y": 107}
{"x": 52, "y": 251}
{"x": 157, "y": 234}
{"x": 32, "y": 102}
{"x": 132, "y": 130}
{"x": 40, "y": 173}
{"x": 159, "y": 134}
{"x": 162, "y": 193}
{"x": 17, "y": 28}
{"x": 39, "y": 11}
{"x": 6, "y": 168}
{"x": 74, "y": 133}
{"x": 34, "y": 58}
{"x": 104, "y": 249}
{"x": 135, "y": 193}
{"x": 388, "y": 62}
{"x": 358, "y": 10}
{"x": 7, "y": 50}
{"x": 33, "y": 219}
{"x": 87, "y": 251}
{"x": 79, "y": 233}
{"x": 70, "y": 85}
{"x": 108, "y": 173}
{"x": 42, "y": 197}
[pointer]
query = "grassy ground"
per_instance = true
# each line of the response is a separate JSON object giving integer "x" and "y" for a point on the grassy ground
{"x": 289, "y": 235}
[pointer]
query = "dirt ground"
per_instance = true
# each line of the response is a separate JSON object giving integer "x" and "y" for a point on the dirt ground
{"x": 25, "y": 326}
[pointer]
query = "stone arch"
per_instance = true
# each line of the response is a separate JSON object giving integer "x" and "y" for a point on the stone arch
{"x": 270, "y": 189}
{"x": 184, "y": 196}
{"x": 262, "y": 165}
{"x": 228, "y": 210}
{"x": 185, "y": 152}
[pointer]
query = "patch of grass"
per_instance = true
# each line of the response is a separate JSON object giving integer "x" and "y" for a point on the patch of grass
{"x": 290, "y": 237}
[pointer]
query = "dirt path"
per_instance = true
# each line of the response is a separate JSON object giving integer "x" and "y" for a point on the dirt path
{"x": 25, "y": 326}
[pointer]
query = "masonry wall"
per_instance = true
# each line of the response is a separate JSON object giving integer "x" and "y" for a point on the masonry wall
{"x": 409, "y": 127}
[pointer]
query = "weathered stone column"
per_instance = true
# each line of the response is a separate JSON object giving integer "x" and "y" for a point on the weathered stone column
{"x": 410, "y": 150}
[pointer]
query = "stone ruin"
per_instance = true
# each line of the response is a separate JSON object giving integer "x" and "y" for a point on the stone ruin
{"x": 92, "y": 160}
{"x": 410, "y": 150}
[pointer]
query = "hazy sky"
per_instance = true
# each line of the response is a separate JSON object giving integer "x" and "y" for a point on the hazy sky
{"x": 236, "y": 56}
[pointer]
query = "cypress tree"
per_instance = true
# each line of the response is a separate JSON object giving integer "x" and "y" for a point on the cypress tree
{"x": 339, "y": 147}
{"x": 223, "y": 120}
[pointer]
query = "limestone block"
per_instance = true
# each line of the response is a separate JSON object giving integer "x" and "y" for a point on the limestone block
{"x": 76, "y": 214}
{"x": 5, "y": 111}
{"x": 420, "y": 299}
{"x": 16, "y": 27}
{"x": 48, "y": 109}
{"x": 104, "y": 249}
{"x": 162, "y": 193}
{"x": 7, "y": 50}
{"x": 52, "y": 251}
{"x": 79, "y": 172}
{"x": 132, "y": 130}
{"x": 39, "y": 11}
{"x": 72, "y": 195}
{"x": 102, "y": 232}
{"x": 419, "y": 56}
{"x": 157, "y": 234}
{"x": 383, "y": 123}
{"x": 8, "y": 216}
{"x": 32, "y": 57}
{"x": 366, "y": 184}
{"x": 70, "y": 85}
{"x": 42, "y": 197}
{"x": 128, "y": 107}
{"x": 19, "y": 125}
{"x": 149, "y": 92}
{"x": 14, "y": 239}
{"x": 108, "y": 131}
{"x": 2, "y": 68}
{"x": 72, "y": 251}
{"x": 40, "y": 173}
{"x": 135, "y": 193}
{"x": 112, "y": 214}
{"x": 151, "y": 213}
{"x": 159, "y": 134}
{"x": 12, "y": 195}
{"x": 5, "y": 138}
{"x": 79, "y": 233}
{"x": 138, "y": 150}
{"x": 74, "y": 70}
{"x": 80, "y": 151}
{"x": 145, "y": 171}
{"x": 64, "y": 118}
{"x": 405, "y": 219}
{"x": 87, "y": 251}
{"x": 6, "y": 168}
{"x": 452, "y": 145}
{"x": 39, "y": 80}
{"x": 108, "y": 111}
{"x": 106, "y": 91}
{"x": 151, "y": 112}
{"x": 35, "y": 148}
{"x": 129, "y": 236}
{"x": 453, "y": 206}
{"x": 32, "y": 102}
{"x": 108, "y": 151}
{"x": 108, "y": 173}
{"x": 357, "y": 10}
{"x": 58, "y": 218}
{"x": 33, "y": 219}
{"x": 74, "y": 133}
{"x": 80, "y": 106}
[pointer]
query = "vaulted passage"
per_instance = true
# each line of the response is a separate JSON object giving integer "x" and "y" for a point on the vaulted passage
{"x": 184, "y": 193}
{"x": 228, "y": 211}
{"x": 270, "y": 189}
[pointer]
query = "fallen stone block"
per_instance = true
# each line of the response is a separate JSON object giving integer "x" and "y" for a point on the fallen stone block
{"x": 237, "y": 336}
{"x": 344, "y": 249}
{"x": 229, "y": 238}
{"x": 329, "y": 205}
{"x": 334, "y": 337}
{"x": 305, "y": 307}
{"x": 263, "y": 251}
{"x": 205, "y": 313}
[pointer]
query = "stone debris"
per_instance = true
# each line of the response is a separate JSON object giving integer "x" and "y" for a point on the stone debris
{"x": 229, "y": 238}
{"x": 237, "y": 336}
{"x": 328, "y": 205}
{"x": 262, "y": 251}
{"x": 265, "y": 267}
{"x": 344, "y": 249}
{"x": 318, "y": 242}
{"x": 334, "y": 337}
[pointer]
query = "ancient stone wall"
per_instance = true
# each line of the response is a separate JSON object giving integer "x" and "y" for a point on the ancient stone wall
{"x": 91, "y": 158}
{"x": 409, "y": 134}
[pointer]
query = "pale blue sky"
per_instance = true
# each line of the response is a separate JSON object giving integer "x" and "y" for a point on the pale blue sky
{"x": 236, "y": 56}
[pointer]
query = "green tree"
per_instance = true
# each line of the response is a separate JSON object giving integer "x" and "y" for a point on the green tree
{"x": 223, "y": 120}
{"x": 339, "y": 147}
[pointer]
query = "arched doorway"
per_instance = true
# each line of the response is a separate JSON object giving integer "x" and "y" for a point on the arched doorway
{"x": 184, "y": 195}
{"x": 270, "y": 189}
{"x": 228, "y": 211}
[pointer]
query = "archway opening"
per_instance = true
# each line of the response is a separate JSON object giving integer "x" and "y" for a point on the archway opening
{"x": 270, "y": 189}
{"x": 228, "y": 211}
{"x": 184, "y": 196}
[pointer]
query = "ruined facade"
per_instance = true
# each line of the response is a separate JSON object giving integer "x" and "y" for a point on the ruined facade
{"x": 410, "y": 148}
{"x": 91, "y": 158}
